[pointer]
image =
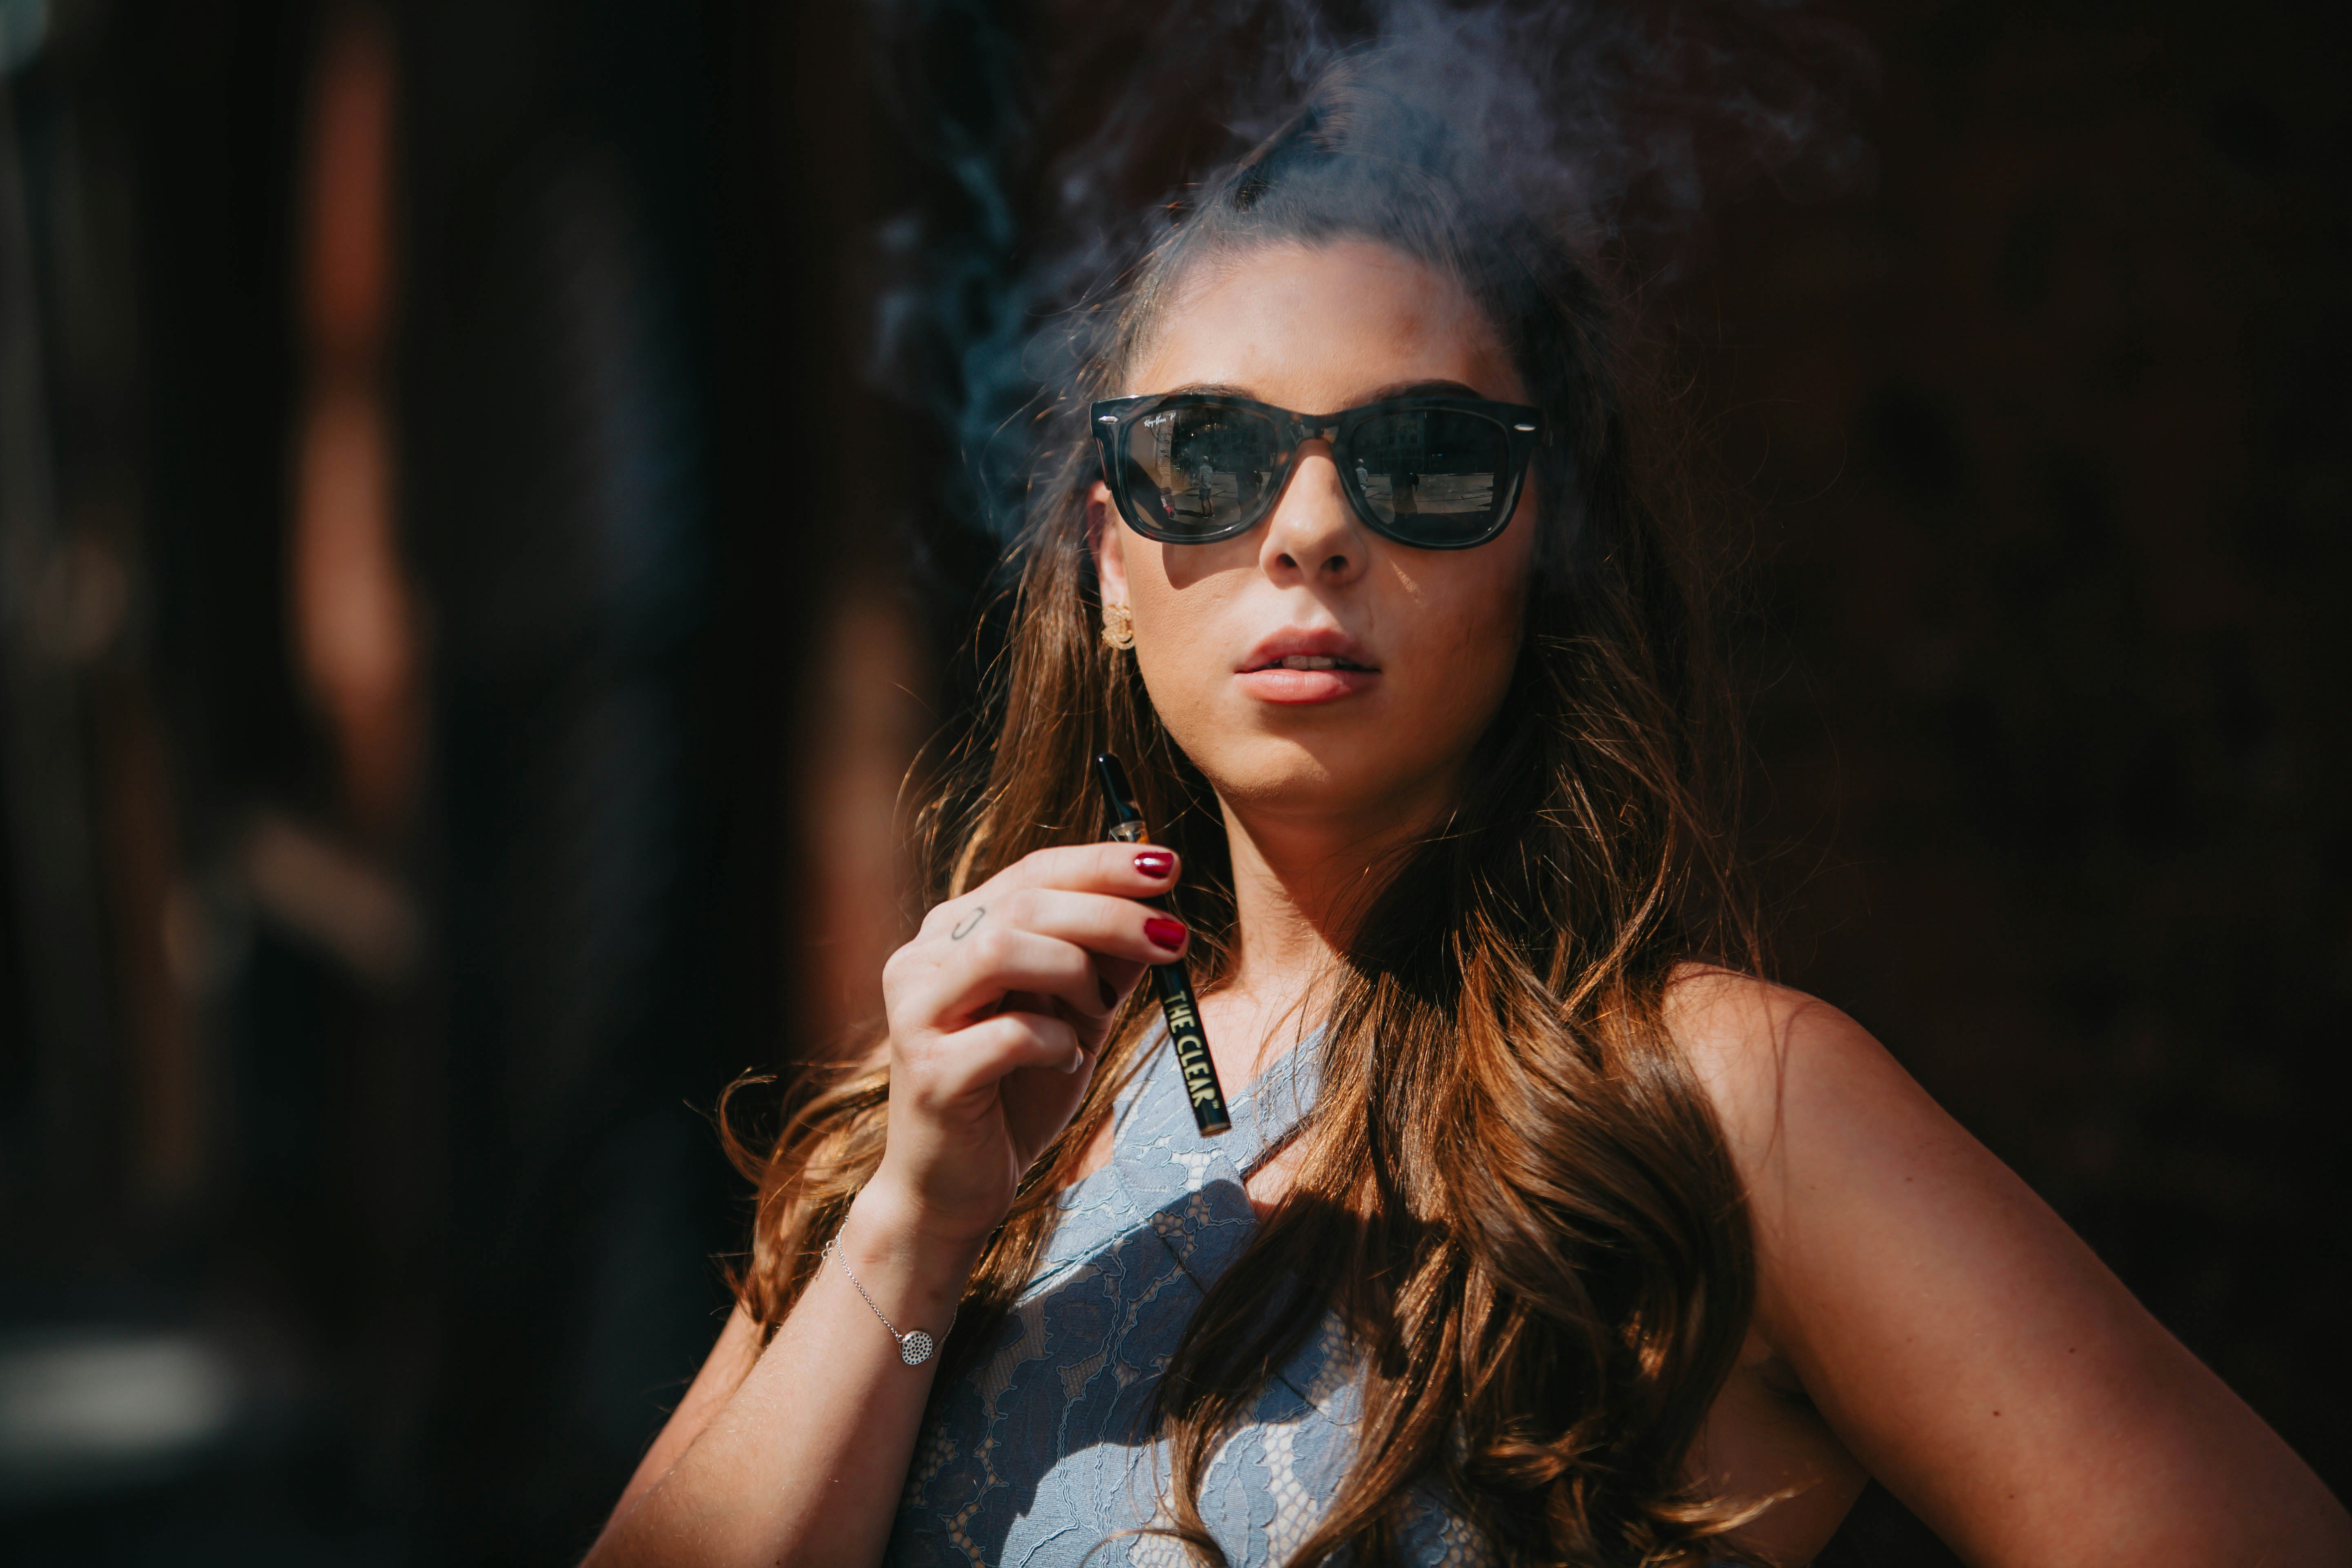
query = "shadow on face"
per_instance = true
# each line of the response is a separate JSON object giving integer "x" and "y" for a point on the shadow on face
{"x": 1311, "y": 668}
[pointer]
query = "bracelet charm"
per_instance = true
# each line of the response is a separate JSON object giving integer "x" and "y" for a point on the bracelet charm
{"x": 914, "y": 1346}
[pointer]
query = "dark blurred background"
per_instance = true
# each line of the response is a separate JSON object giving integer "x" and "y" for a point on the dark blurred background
{"x": 470, "y": 590}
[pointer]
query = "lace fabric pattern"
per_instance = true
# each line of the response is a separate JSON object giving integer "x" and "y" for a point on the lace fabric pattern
{"x": 1039, "y": 1456}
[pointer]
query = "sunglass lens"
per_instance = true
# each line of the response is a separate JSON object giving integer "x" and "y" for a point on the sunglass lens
{"x": 1202, "y": 470}
{"x": 1432, "y": 475}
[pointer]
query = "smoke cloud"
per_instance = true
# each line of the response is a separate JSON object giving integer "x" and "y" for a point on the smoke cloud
{"x": 1063, "y": 147}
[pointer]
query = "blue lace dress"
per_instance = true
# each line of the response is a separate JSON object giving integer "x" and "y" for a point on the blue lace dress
{"x": 1038, "y": 1457}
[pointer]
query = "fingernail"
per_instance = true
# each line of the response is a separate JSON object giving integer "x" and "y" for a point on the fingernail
{"x": 1110, "y": 995}
{"x": 1165, "y": 933}
{"x": 1155, "y": 863}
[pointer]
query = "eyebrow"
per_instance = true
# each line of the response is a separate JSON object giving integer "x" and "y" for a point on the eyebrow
{"x": 1379, "y": 394}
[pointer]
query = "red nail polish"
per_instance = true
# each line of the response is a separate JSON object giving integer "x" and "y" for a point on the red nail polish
{"x": 1165, "y": 933}
{"x": 1155, "y": 863}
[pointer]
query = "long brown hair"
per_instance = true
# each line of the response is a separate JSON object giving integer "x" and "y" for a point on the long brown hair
{"x": 1511, "y": 1180}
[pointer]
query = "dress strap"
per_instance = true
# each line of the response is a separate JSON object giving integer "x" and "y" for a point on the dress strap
{"x": 1276, "y": 1102}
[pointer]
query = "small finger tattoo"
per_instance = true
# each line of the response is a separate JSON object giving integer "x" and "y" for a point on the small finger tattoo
{"x": 964, "y": 927}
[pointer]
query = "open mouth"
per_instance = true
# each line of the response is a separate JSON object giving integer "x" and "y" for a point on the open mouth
{"x": 1310, "y": 661}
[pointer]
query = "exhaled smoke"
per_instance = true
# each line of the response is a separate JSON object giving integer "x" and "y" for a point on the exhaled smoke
{"x": 1063, "y": 149}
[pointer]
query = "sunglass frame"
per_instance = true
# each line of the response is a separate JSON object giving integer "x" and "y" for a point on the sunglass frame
{"x": 1113, "y": 419}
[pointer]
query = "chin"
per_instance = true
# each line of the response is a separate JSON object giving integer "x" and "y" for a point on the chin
{"x": 1322, "y": 769}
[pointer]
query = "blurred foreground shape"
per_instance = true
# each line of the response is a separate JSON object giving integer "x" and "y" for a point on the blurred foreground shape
{"x": 416, "y": 650}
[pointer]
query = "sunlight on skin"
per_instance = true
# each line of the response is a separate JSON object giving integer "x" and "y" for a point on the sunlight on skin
{"x": 1315, "y": 791}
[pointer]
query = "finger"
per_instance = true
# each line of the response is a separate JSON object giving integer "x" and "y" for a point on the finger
{"x": 1126, "y": 870}
{"x": 1004, "y": 958}
{"x": 973, "y": 1059}
{"x": 1106, "y": 926}
{"x": 1119, "y": 977}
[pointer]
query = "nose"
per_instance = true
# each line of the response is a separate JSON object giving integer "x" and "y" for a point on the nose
{"x": 1314, "y": 535}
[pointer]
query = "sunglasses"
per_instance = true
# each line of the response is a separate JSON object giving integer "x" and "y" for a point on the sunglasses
{"x": 1436, "y": 473}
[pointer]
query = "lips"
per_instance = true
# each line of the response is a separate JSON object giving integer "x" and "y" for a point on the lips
{"x": 1298, "y": 665}
{"x": 1313, "y": 662}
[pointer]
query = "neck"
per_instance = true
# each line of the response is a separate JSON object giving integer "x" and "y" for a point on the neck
{"x": 1302, "y": 881}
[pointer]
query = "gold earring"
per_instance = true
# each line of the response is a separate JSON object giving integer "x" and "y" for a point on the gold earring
{"x": 1119, "y": 627}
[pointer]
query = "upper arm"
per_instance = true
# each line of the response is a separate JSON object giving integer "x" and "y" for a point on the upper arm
{"x": 723, "y": 1370}
{"x": 1961, "y": 1341}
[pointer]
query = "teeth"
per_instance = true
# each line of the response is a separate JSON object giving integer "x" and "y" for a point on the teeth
{"x": 1311, "y": 661}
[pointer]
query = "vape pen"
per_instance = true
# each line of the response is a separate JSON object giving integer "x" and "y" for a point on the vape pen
{"x": 1176, "y": 999}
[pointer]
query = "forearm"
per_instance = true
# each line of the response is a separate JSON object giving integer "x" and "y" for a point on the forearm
{"x": 803, "y": 1463}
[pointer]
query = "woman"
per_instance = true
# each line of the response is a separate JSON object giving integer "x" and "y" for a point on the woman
{"x": 1546, "y": 1233}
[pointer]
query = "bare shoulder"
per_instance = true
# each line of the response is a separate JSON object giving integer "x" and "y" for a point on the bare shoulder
{"x": 1960, "y": 1339}
{"x": 1754, "y": 1045}
{"x": 1816, "y": 1110}
{"x": 1739, "y": 1031}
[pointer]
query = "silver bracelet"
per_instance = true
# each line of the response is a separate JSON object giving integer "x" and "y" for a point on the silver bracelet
{"x": 914, "y": 1346}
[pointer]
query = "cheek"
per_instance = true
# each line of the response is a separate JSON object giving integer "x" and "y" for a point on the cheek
{"x": 1178, "y": 633}
{"x": 1472, "y": 609}
{"x": 1475, "y": 645}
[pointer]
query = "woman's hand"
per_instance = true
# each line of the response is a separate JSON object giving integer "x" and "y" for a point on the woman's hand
{"x": 998, "y": 1010}
{"x": 797, "y": 1453}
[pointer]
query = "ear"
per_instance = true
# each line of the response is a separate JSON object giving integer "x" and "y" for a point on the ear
{"x": 1107, "y": 541}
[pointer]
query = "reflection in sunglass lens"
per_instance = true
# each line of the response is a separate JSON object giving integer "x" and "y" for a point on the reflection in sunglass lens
{"x": 1431, "y": 474}
{"x": 1202, "y": 469}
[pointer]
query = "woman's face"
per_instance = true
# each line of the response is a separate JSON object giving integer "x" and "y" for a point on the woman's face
{"x": 1226, "y": 633}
